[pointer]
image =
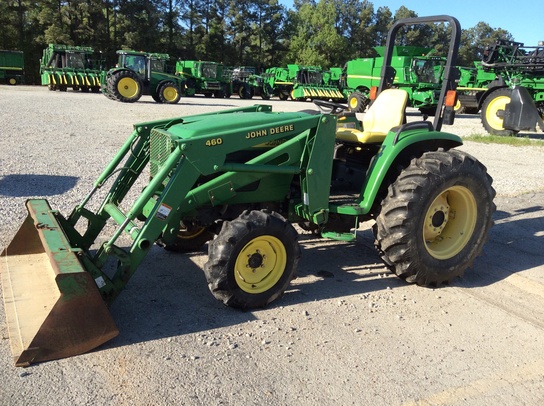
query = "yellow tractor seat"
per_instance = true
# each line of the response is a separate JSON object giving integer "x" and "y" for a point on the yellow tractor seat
{"x": 386, "y": 112}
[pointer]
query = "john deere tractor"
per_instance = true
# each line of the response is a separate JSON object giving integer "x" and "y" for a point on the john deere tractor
{"x": 142, "y": 73}
{"x": 242, "y": 179}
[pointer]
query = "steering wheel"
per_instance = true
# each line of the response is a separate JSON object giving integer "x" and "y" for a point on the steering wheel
{"x": 336, "y": 108}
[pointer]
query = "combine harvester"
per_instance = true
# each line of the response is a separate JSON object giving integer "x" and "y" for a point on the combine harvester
{"x": 64, "y": 66}
{"x": 302, "y": 83}
{"x": 244, "y": 176}
{"x": 12, "y": 67}
{"x": 417, "y": 72}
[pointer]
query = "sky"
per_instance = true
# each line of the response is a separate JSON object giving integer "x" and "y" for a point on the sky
{"x": 523, "y": 19}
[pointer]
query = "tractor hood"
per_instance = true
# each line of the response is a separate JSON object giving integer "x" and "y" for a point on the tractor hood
{"x": 252, "y": 124}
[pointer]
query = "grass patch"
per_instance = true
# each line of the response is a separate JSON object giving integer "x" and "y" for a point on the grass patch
{"x": 519, "y": 141}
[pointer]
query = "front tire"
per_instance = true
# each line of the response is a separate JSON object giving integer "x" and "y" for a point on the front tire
{"x": 490, "y": 115}
{"x": 435, "y": 218}
{"x": 357, "y": 102}
{"x": 252, "y": 260}
{"x": 169, "y": 93}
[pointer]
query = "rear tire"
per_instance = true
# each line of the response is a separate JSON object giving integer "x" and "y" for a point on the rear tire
{"x": 459, "y": 108}
{"x": 125, "y": 86}
{"x": 190, "y": 238}
{"x": 252, "y": 260}
{"x": 435, "y": 218}
{"x": 243, "y": 91}
{"x": 493, "y": 104}
{"x": 266, "y": 92}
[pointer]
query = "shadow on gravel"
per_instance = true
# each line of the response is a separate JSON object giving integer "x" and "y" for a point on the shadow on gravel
{"x": 515, "y": 244}
{"x": 168, "y": 296}
{"x": 18, "y": 185}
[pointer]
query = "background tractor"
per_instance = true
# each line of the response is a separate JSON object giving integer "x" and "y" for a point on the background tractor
{"x": 204, "y": 77}
{"x": 242, "y": 179}
{"x": 142, "y": 73}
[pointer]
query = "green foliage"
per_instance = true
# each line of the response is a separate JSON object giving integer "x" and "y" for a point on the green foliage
{"x": 260, "y": 33}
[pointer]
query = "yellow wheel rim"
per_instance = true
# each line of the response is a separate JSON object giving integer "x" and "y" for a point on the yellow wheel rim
{"x": 498, "y": 103}
{"x": 189, "y": 234}
{"x": 260, "y": 264}
{"x": 12, "y": 81}
{"x": 128, "y": 88}
{"x": 450, "y": 222}
{"x": 353, "y": 102}
{"x": 457, "y": 106}
{"x": 170, "y": 93}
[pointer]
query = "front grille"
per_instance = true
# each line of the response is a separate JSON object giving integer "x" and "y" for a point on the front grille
{"x": 160, "y": 148}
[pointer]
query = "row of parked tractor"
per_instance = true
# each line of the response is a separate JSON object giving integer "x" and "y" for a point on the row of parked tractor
{"x": 485, "y": 88}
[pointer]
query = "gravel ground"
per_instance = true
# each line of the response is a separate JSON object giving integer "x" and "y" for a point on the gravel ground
{"x": 347, "y": 332}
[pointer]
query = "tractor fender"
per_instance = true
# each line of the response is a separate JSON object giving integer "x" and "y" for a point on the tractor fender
{"x": 115, "y": 70}
{"x": 400, "y": 146}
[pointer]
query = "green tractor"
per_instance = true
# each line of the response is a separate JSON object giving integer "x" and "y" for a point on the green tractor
{"x": 204, "y": 77}
{"x": 142, "y": 73}
{"x": 241, "y": 179}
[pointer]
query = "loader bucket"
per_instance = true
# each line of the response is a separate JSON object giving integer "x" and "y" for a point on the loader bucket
{"x": 53, "y": 306}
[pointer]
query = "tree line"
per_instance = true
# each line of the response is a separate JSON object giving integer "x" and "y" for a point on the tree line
{"x": 260, "y": 33}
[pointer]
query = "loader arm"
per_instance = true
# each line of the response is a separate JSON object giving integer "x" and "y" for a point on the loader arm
{"x": 180, "y": 152}
{"x": 62, "y": 263}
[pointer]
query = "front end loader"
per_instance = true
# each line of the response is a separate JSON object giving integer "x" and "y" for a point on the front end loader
{"x": 241, "y": 180}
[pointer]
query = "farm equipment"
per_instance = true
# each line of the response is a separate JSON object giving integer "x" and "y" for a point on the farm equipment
{"x": 416, "y": 72}
{"x": 244, "y": 176}
{"x": 65, "y": 66}
{"x": 512, "y": 97}
{"x": 302, "y": 82}
{"x": 204, "y": 77}
{"x": 280, "y": 81}
{"x": 312, "y": 82}
{"x": 12, "y": 65}
{"x": 473, "y": 83}
{"x": 142, "y": 73}
{"x": 246, "y": 83}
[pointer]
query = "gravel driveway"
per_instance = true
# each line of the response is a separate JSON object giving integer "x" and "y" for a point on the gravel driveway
{"x": 347, "y": 332}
